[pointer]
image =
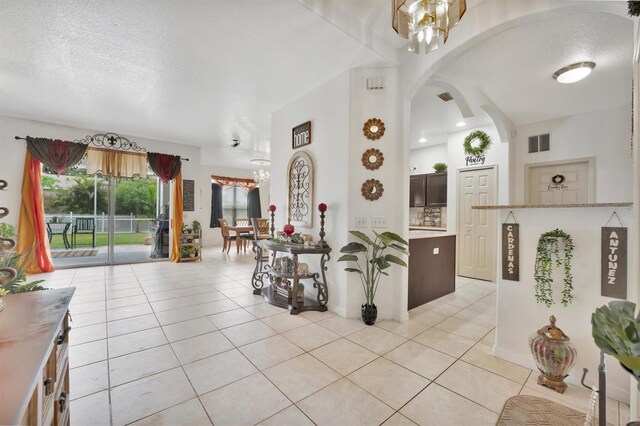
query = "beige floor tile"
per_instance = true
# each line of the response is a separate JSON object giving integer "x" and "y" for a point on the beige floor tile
{"x": 133, "y": 342}
{"x": 389, "y": 382}
{"x": 231, "y": 318}
{"x": 376, "y": 339}
{"x": 164, "y": 295}
{"x": 91, "y": 318}
{"x": 439, "y": 406}
{"x": 88, "y": 334}
{"x": 428, "y": 318}
{"x": 473, "y": 382}
{"x": 444, "y": 341}
{"x": 89, "y": 379}
{"x": 476, "y": 317}
{"x": 83, "y": 308}
{"x": 248, "y": 332}
{"x": 248, "y": 300}
{"x": 87, "y": 353}
{"x": 398, "y": 420}
{"x": 177, "y": 315}
{"x": 128, "y": 312}
{"x": 218, "y": 306}
{"x": 420, "y": 359}
{"x": 316, "y": 316}
{"x": 344, "y": 403}
{"x": 188, "y": 413}
{"x": 186, "y": 329}
{"x": 301, "y": 376}
{"x": 237, "y": 292}
{"x": 311, "y": 336}
{"x": 344, "y": 356}
{"x": 91, "y": 297}
{"x": 131, "y": 325}
{"x": 219, "y": 370}
{"x": 245, "y": 402}
{"x": 445, "y": 309}
{"x": 481, "y": 356}
{"x": 173, "y": 303}
{"x": 408, "y": 329}
{"x": 263, "y": 310}
{"x": 271, "y": 351}
{"x": 141, "y": 364}
{"x": 464, "y": 328}
{"x": 122, "y": 302}
{"x": 284, "y": 322}
{"x": 291, "y": 416}
{"x": 136, "y": 400}
{"x": 489, "y": 339}
{"x": 205, "y": 297}
{"x": 199, "y": 347}
{"x": 342, "y": 326}
{"x": 91, "y": 410}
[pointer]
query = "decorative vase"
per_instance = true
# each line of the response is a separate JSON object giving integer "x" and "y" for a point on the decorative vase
{"x": 369, "y": 313}
{"x": 554, "y": 355}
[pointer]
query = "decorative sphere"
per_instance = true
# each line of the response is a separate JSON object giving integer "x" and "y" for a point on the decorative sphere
{"x": 322, "y": 207}
{"x": 272, "y": 208}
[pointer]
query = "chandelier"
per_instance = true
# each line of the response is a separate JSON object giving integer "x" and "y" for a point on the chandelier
{"x": 261, "y": 176}
{"x": 426, "y": 23}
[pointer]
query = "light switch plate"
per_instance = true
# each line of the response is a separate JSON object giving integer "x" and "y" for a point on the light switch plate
{"x": 378, "y": 222}
{"x": 361, "y": 222}
{"x": 436, "y": 250}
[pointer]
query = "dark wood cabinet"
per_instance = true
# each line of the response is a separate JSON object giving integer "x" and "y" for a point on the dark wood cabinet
{"x": 417, "y": 190}
{"x": 429, "y": 190}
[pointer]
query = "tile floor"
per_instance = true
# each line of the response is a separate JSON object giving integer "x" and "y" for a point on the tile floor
{"x": 189, "y": 344}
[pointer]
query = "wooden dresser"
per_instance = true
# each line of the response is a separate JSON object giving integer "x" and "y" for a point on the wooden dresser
{"x": 34, "y": 358}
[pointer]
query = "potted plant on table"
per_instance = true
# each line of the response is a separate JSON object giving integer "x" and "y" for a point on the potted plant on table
{"x": 373, "y": 265}
{"x": 440, "y": 167}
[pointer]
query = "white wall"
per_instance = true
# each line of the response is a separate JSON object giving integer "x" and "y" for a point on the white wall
{"x": 518, "y": 313}
{"x": 603, "y": 134}
{"x": 423, "y": 159}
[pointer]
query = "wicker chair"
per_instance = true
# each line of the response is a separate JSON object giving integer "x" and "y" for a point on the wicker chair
{"x": 227, "y": 239}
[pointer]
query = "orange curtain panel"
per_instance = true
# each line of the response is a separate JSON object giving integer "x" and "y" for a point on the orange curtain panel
{"x": 32, "y": 234}
{"x": 176, "y": 219}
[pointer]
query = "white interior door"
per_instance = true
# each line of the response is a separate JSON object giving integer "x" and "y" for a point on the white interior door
{"x": 571, "y": 185}
{"x": 477, "y": 228}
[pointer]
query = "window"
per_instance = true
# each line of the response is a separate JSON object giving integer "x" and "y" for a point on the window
{"x": 234, "y": 203}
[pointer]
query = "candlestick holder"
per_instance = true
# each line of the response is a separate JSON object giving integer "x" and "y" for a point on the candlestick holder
{"x": 323, "y": 208}
{"x": 272, "y": 209}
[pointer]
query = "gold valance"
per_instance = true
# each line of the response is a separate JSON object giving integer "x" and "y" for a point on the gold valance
{"x": 223, "y": 181}
{"x": 109, "y": 162}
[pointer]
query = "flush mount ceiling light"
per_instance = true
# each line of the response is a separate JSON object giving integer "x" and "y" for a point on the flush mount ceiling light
{"x": 422, "y": 140}
{"x": 574, "y": 72}
{"x": 461, "y": 124}
{"x": 426, "y": 23}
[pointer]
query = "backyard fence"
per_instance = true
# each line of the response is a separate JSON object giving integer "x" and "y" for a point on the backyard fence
{"x": 123, "y": 223}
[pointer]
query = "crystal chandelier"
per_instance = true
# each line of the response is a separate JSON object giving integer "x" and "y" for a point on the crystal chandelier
{"x": 261, "y": 176}
{"x": 426, "y": 23}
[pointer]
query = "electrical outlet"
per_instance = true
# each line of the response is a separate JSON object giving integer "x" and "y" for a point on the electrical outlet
{"x": 361, "y": 222}
{"x": 436, "y": 250}
{"x": 378, "y": 222}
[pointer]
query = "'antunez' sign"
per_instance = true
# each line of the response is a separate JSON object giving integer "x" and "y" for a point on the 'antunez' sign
{"x": 614, "y": 263}
{"x": 511, "y": 251}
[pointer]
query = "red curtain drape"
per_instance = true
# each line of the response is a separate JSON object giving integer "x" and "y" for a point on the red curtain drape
{"x": 165, "y": 166}
{"x": 55, "y": 153}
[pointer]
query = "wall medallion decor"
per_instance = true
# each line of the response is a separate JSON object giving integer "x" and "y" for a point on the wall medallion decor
{"x": 301, "y": 135}
{"x": 372, "y": 159}
{"x": 300, "y": 190}
{"x": 372, "y": 189}
{"x": 373, "y": 128}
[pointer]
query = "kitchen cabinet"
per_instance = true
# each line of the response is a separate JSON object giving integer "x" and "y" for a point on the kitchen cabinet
{"x": 428, "y": 190}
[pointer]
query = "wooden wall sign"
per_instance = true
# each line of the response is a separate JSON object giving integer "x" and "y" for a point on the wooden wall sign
{"x": 301, "y": 135}
{"x": 511, "y": 251}
{"x": 188, "y": 189}
{"x": 614, "y": 263}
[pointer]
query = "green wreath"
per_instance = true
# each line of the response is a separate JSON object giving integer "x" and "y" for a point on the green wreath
{"x": 547, "y": 249}
{"x": 484, "y": 139}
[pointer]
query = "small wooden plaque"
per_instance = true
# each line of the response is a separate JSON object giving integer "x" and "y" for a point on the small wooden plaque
{"x": 511, "y": 251}
{"x": 301, "y": 135}
{"x": 613, "y": 255}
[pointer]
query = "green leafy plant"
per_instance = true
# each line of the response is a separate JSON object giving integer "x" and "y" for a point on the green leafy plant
{"x": 634, "y": 8}
{"x": 186, "y": 251}
{"x": 616, "y": 331}
{"x": 18, "y": 262}
{"x": 375, "y": 261}
{"x": 484, "y": 141}
{"x": 547, "y": 249}
{"x": 195, "y": 225}
{"x": 440, "y": 167}
{"x": 7, "y": 230}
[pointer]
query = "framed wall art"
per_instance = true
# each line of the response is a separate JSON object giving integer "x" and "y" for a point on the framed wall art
{"x": 188, "y": 195}
{"x": 300, "y": 187}
{"x": 301, "y": 135}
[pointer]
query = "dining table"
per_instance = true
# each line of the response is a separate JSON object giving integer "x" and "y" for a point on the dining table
{"x": 239, "y": 230}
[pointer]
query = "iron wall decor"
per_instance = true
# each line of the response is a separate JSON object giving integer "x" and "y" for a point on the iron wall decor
{"x": 613, "y": 262}
{"x": 301, "y": 135}
{"x": 372, "y": 159}
{"x": 511, "y": 251}
{"x": 300, "y": 190}
{"x": 188, "y": 189}
{"x": 372, "y": 189}
{"x": 373, "y": 128}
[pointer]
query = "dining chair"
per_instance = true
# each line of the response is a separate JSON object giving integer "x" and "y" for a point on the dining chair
{"x": 260, "y": 228}
{"x": 244, "y": 236}
{"x": 227, "y": 239}
{"x": 83, "y": 225}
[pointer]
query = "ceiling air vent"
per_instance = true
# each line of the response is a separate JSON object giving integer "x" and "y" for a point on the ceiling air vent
{"x": 375, "y": 83}
{"x": 539, "y": 143}
{"x": 446, "y": 96}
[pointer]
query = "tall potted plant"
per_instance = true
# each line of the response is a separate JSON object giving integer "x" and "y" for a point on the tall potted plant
{"x": 373, "y": 264}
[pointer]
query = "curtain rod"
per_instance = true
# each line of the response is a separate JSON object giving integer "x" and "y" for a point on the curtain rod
{"x": 112, "y": 138}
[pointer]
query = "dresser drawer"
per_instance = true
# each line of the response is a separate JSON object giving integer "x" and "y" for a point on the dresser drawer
{"x": 61, "y": 406}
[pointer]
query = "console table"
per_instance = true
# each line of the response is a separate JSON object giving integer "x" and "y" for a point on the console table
{"x": 285, "y": 295}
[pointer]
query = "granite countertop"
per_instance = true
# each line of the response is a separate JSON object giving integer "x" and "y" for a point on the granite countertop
{"x": 550, "y": 206}
{"x": 427, "y": 228}
{"x": 414, "y": 235}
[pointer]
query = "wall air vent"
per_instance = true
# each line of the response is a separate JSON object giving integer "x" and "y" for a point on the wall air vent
{"x": 539, "y": 143}
{"x": 375, "y": 83}
{"x": 446, "y": 96}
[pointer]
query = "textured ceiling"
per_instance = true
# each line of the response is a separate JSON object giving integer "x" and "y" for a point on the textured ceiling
{"x": 196, "y": 72}
{"x": 514, "y": 70}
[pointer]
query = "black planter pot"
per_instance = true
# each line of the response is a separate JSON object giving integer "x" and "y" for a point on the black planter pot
{"x": 369, "y": 313}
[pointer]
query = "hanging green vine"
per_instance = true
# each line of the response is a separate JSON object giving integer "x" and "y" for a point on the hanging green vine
{"x": 482, "y": 137}
{"x": 547, "y": 249}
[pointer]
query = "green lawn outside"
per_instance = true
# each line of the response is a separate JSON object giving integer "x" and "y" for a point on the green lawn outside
{"x": 84, "y": 240}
